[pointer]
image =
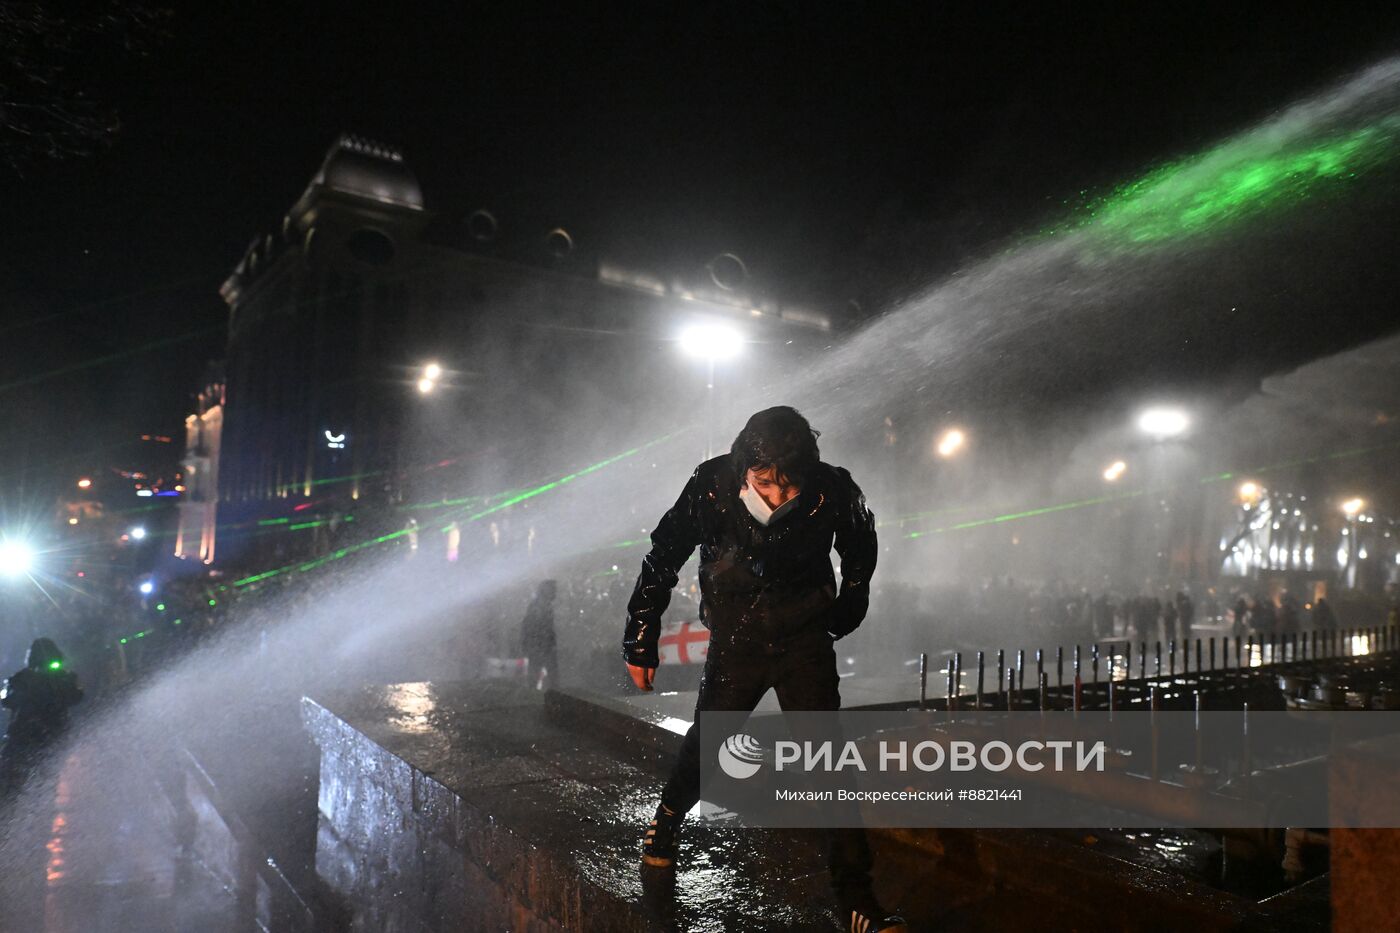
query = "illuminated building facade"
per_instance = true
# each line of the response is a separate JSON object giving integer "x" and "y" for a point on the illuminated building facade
{"x": 537, "y": 345}
{"x": 199, "y": 501}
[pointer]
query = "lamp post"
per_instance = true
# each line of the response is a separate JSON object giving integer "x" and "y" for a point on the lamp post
{"x": 711, "y": 342}
{"x": 1352, "y": 509}
{"x": 1161, "y": 424}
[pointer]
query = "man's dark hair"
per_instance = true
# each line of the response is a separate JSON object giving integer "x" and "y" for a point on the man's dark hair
{"x": 776, "y": 437}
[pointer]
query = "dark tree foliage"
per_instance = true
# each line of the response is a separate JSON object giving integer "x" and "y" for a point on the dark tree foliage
{"x": 56, "y": 61}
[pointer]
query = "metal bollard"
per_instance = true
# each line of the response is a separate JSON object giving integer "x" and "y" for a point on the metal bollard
{"x": 957, "y": 679}
{"x": 1200, "y": 738}
{"x": 1001, "y": 669}
{"x": 923, "y": 680}
{"x": 1246, "y": 764}
{"x": 1155, "y": 705}
{"x": 981, "y": 672}
{"x": 948, "y": 694}
{"x": 1020, "y": 674}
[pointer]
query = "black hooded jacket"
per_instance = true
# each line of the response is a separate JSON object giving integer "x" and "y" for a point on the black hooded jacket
{"x": 761, "y": 587}
{"x": 39, "y": 696}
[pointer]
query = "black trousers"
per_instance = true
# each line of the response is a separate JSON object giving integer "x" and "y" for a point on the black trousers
{"x": 804, "y": 677}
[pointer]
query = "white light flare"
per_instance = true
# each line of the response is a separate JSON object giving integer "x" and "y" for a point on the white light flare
{"x": 16, "y": 559}
{"x": 711, "y": 342}
{"x": 1162, "y": 423}
{"x": 951, "y": 442}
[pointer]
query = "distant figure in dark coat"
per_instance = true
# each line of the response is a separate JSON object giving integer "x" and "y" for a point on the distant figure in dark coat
{"x": 38, "y": 698}
{"x": 1322, "y": 615}
{"x": 537, "y": 637}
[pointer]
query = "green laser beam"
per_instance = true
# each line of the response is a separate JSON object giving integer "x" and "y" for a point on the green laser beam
{"x": 110, "y": 358}
{"x": 306, "y": 566}
{"x": 1205, "y": 480}
{"x": 1273, "y": 167}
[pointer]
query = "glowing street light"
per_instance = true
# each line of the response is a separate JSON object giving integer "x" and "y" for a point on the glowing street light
{"x": 1115, "y": 470}
{"x": 712, "y": 342}
{"x": 432, "y": 372}
{"x": 138, "y": 533}
{"x": 16, "y": 558}
{"x": 952, "y": 441}
{"x": 147, "y": 587}
{"x": 84, "y": 483}
{"x": 1162, "y": 423}
{"x": 1249, "y": 491}
{"x": 1353, "y": 506}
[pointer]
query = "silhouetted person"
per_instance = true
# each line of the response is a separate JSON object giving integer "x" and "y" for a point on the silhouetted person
{"x": 38, "y": 698}
{"x": 1265, "y": 619}
{"x": 1241, "y": 615}
{"x": 1185, "y": 615}
{"x": 1322, "y": 615}
{"x": 1290, "y": 615}
{"x": 537, "y": 637}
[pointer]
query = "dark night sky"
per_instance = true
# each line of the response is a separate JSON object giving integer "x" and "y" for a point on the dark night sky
{"x": 846, "y": 151}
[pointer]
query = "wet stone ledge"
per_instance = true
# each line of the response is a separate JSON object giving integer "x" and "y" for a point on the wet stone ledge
{"x": 466, "y": 807}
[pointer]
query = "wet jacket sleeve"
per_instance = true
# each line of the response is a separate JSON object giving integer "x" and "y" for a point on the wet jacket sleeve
{"x": 858, "y": 548}
{"x": 672, "y": 542}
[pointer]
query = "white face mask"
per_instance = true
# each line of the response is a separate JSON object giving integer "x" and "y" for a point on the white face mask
{"x": 762, "y": 512}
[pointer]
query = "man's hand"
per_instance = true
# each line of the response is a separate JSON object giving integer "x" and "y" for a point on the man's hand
{"x": 641, "y": 676}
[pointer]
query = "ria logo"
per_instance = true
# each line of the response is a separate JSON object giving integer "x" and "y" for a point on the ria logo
{"x": 740, "y": 756}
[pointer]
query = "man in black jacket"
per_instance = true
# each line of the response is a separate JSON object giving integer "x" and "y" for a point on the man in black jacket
{"x": 38, "y": 698}
{"x": 765, "y": 518}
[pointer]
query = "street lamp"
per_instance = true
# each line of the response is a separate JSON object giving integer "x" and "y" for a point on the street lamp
{"x": 138, "y": 533}
{"x": 1162, "y": 423}
{"x": 952, "y": 441}
{"x": 16, "y": 558}
{"x": 1352, "y": 509}
{"x": 1249, "y": 491}
{"x": 1115, "y": 470}
{"x": 432, "y": 372}
{"x": 711, "y": 342}
{"x": 84, "y": 483}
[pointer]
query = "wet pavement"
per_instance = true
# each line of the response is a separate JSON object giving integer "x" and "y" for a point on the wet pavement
{"x": 486, "y": 807}
{"x": 81, "y": 859}
{"x": 508, "y": 820}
